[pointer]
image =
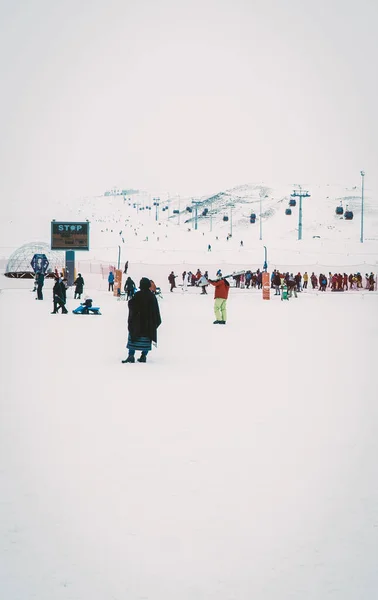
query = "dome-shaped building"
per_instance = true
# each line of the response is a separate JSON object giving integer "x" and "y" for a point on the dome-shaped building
{"x": 19, "y": 263}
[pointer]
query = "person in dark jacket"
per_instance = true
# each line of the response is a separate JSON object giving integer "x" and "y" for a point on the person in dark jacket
{"x": 291, "y": 286}
{"x": 129, "y": 288}
{"x": 322, "y": 282}
{"x": 277, "y": 282}
{"x": 143, "y": 322}
{"x": 64, "y": 289}
{"x": 172, "y": 280}
{"x": 84, "y": 307}
{"x": 79, "y": 282}
{"x": 40, "y": 281}
{"x": 59, "y": 296}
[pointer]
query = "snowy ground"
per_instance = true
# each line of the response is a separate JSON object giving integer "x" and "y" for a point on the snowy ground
{"x": 239, "y": 463}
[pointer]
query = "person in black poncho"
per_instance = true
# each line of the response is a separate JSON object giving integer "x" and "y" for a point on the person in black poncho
{"x": 144, "y": 319}
{"x": 79, "y": 283}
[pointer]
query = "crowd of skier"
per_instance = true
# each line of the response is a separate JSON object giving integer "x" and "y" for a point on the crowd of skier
{"x": 336, "y": 282}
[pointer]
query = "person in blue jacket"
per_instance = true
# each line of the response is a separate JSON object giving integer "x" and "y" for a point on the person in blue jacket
{"x": 110, "y": 281}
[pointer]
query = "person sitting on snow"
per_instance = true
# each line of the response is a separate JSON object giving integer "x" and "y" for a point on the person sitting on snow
{"x": 87, "y": 304}
{"x": 85, "y": 307}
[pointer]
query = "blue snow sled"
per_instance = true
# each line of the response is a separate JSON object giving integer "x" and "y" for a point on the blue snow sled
{"x": 86, "y": 310}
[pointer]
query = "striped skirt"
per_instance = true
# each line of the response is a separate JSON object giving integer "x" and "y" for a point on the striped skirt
{"x": 139, "y": 344}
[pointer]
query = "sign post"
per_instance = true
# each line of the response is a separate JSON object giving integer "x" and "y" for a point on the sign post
{"x": 39, "y": 262}
{"x": 70, "y": 236}
{"x": 266, "y": 285}
{"x": 117, "y": 282}
{"x": 70, "y": 266}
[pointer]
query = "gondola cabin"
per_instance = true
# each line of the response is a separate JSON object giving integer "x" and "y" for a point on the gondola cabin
{"x": 205, "y": 211}
{"x": 189, "y": 208}
{"x": 176, "y": 212}
{"x": 225, "y": 218}
{"x": 252, "y": 219}
{"x": 288, "y": 211}
{"x": 292, "y": 202}
{"x": 339, "y": 210}
{"x": 348, "y": 215}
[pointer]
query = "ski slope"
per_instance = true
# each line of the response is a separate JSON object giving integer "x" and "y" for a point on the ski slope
{"x": 239, "y": 464}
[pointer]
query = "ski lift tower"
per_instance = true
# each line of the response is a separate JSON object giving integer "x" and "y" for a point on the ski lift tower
{"x": 156, "y": 203}
{"x": 299, "y": 193}
{"x": 196, "y": 202}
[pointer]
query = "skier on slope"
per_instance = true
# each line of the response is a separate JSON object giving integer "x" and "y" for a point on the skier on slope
{"x": 203, "y": 283}
{"x": 222, "y": 288}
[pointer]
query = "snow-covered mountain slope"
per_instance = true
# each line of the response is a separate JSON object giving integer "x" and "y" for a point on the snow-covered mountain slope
{"x": 167, "y": 234}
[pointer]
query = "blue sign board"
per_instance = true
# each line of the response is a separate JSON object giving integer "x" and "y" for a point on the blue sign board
{"x": 39, "y": 262}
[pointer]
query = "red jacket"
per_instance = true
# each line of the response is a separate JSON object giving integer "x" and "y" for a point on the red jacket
{"x": 221, "y": 288}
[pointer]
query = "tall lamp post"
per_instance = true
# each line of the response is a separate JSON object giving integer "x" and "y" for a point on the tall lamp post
{"x": 265, "y": 259}
{"x": 362, "y": 206}
{"x": 300, "y": 194}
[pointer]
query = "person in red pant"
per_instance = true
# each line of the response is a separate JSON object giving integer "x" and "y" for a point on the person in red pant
{"x": 222, "y": 288}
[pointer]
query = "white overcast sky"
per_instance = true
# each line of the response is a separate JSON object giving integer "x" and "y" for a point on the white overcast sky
{"x": 185, "y": 96}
